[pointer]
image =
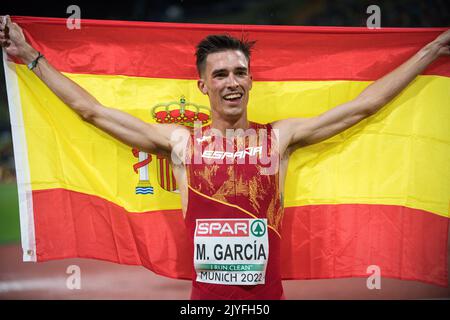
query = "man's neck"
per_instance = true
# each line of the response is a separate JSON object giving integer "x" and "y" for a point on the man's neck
{"x": 223, "y": 124}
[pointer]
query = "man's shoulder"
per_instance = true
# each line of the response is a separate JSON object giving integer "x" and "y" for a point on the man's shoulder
{"x": 258, "y": 125}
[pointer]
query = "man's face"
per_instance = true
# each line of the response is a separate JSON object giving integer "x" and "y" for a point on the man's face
{"x": 227, "y": 81}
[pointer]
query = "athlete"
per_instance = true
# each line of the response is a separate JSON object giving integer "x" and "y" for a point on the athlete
{"x": 236, "y": 193}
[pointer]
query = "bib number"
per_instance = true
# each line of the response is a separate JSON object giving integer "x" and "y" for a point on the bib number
{"x": 231, "y": 251}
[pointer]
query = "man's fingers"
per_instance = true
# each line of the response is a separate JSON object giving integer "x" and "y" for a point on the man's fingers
{"x": 446, "y": 50}
{"x": 444, "y": 37}
{"x": 4, "y": 30}
{"x": 5, "y": 23}
{"x": 4, "y": 36}
{"x": 5, "y": 44}
{"x": 7, "y": 20}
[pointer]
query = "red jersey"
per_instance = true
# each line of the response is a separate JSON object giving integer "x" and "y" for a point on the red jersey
{"x": 238, "y": 185}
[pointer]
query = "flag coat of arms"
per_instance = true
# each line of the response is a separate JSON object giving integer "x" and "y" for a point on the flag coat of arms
{"x": 376, "y": 194}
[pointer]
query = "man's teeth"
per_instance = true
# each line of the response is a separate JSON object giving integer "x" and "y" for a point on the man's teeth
{"x": 232, "y": 96}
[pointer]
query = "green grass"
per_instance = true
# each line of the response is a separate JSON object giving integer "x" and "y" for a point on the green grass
{"x": 9, "y": 214}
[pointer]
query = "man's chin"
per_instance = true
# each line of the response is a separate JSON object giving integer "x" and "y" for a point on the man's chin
{"x": 234, "y": 110}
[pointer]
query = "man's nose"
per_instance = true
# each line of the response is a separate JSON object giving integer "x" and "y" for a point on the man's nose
{"x": 232, "y": 81}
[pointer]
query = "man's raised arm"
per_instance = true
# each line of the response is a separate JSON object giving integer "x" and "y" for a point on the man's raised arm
{"x": 152, "y": 138}
{"x": 298, "y": 132}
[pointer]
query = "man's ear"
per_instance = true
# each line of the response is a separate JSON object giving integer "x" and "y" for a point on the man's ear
{"x": 202, "y": 86}
{"x": 251, "y": 82}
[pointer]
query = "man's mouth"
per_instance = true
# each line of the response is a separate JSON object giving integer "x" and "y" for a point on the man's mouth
{"x": 233, "y": 96}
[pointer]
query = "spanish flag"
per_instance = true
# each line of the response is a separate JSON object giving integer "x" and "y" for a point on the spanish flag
{"x": 376, "y": 194}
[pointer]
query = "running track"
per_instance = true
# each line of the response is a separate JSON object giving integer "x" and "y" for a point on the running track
{"x": 104, "y": 280}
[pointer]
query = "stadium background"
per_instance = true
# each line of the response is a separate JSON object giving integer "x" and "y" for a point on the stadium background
{"x": 105, "y": 280}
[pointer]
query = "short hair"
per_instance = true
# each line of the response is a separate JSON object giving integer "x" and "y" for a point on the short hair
{"x": 218, "y": 43}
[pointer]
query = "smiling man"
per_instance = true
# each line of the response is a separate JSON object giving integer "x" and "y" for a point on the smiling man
{"x": 233, "y": 206}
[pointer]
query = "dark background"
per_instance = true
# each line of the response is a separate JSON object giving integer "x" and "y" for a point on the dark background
{"x": 399, "y": 13}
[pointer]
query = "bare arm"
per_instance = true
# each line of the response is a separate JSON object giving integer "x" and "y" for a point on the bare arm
{"x": 298, "y": 132}
{"x": 152, "y": 138}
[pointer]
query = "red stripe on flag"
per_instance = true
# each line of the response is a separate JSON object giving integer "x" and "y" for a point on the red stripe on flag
{"x": 72, "y": 224}
{"x": 166, "y": 50}
{"x": 319, "y": 241}
{"x": 336, "y": 241}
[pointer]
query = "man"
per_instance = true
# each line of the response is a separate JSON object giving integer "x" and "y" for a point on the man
{"x": 239, "y": 194}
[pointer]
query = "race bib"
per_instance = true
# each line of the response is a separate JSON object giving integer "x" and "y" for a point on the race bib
{"x": 231, "y": 251}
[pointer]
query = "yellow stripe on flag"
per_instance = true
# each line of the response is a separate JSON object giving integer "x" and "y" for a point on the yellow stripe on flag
{"x": 400, "y": 156}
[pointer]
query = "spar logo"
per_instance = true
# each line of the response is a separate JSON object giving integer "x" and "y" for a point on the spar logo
{"x": 258, "y": 228}
{"x": 230, "y": 228}
{"x": 222, "y": 228}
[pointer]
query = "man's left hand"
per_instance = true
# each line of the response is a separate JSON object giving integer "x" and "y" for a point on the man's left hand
{"x": 443, "y": 44}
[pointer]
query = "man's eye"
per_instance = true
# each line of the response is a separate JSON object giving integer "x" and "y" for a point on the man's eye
{"x": 241, "y": 73}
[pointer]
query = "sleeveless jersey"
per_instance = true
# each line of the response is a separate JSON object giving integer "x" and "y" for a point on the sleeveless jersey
{"x": 236, "y": 178}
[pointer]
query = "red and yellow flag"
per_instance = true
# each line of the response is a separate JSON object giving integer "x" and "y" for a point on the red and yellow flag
{"x": 376, "y": 194}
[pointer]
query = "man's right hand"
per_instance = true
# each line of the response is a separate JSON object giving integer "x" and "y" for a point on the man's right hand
{"x": 13, "y": 40}
{"x": 152, "y": 138}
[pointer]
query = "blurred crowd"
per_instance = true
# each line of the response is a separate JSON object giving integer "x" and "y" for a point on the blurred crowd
{"x": 399, "y": 13}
